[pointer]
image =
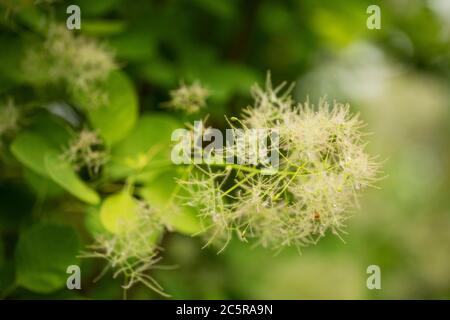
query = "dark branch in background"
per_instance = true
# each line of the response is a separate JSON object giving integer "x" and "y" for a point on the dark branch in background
{"x": 240, "y": 45}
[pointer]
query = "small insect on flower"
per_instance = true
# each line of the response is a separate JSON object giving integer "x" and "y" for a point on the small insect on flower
{"x": 188, "y": 98}
{"x": 86, "y": 150}
{"x": 316, "y": 216}
{"x": 322, "y": 168}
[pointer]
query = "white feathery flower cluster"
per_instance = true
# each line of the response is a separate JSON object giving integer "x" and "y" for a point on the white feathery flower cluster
{"x": 86, "y": 150}
{"x": 188, "y": 98}
{"x": 322, "y": 167}
{"x": 132, "y": 251}
{"x": 80, "y": 63}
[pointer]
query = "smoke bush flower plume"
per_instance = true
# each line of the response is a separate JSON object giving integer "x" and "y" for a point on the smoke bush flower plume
{"x": 131, "y": 251}
{"x": 322, "y": 168}
{"x": 86, "y": 150}
{"x": 80, "y": 63}
{"x": 188, "y": 98}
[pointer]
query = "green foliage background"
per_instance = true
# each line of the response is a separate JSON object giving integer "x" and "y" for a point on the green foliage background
{"x": 397, "y": 77}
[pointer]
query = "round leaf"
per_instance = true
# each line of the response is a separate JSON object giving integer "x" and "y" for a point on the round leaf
{"x": 29, "y": 149}
{"x": 159, "y": 192}
{"x": 63, "y": 174}
{"x": 147, "y": 144}
{"x": 115, "y": 119}
{"x": 116, "y": 210}
{"x": 43, "y": 254}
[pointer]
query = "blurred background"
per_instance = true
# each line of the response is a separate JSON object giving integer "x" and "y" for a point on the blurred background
{"x": 397, "y": 77}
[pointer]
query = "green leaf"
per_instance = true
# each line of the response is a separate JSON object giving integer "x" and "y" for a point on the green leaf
{"x": 11, "y": 57}
{"x": 54, "y": 130}
{"x": 159, "y": 192}
{"x": 146, "y": 145}
{"x": 152, "y": 130}
{"x": 63, "y": 174}
{"x": 31, "y": 16}
{"x": 103, "y": 27}
{"x": 29, "y": 149}
{"x": 92, "y": 221}
{"x": 118, "y": 117}
{"x": 45, "y": 134}
{"x": 135, "y": 45}
{"x": 116, "y": 210}
{"x": 220, "y": 9}
{"x": 223, "y": 80}
{"x": 159, "y": 72}
{"x": 43, "y": 254}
